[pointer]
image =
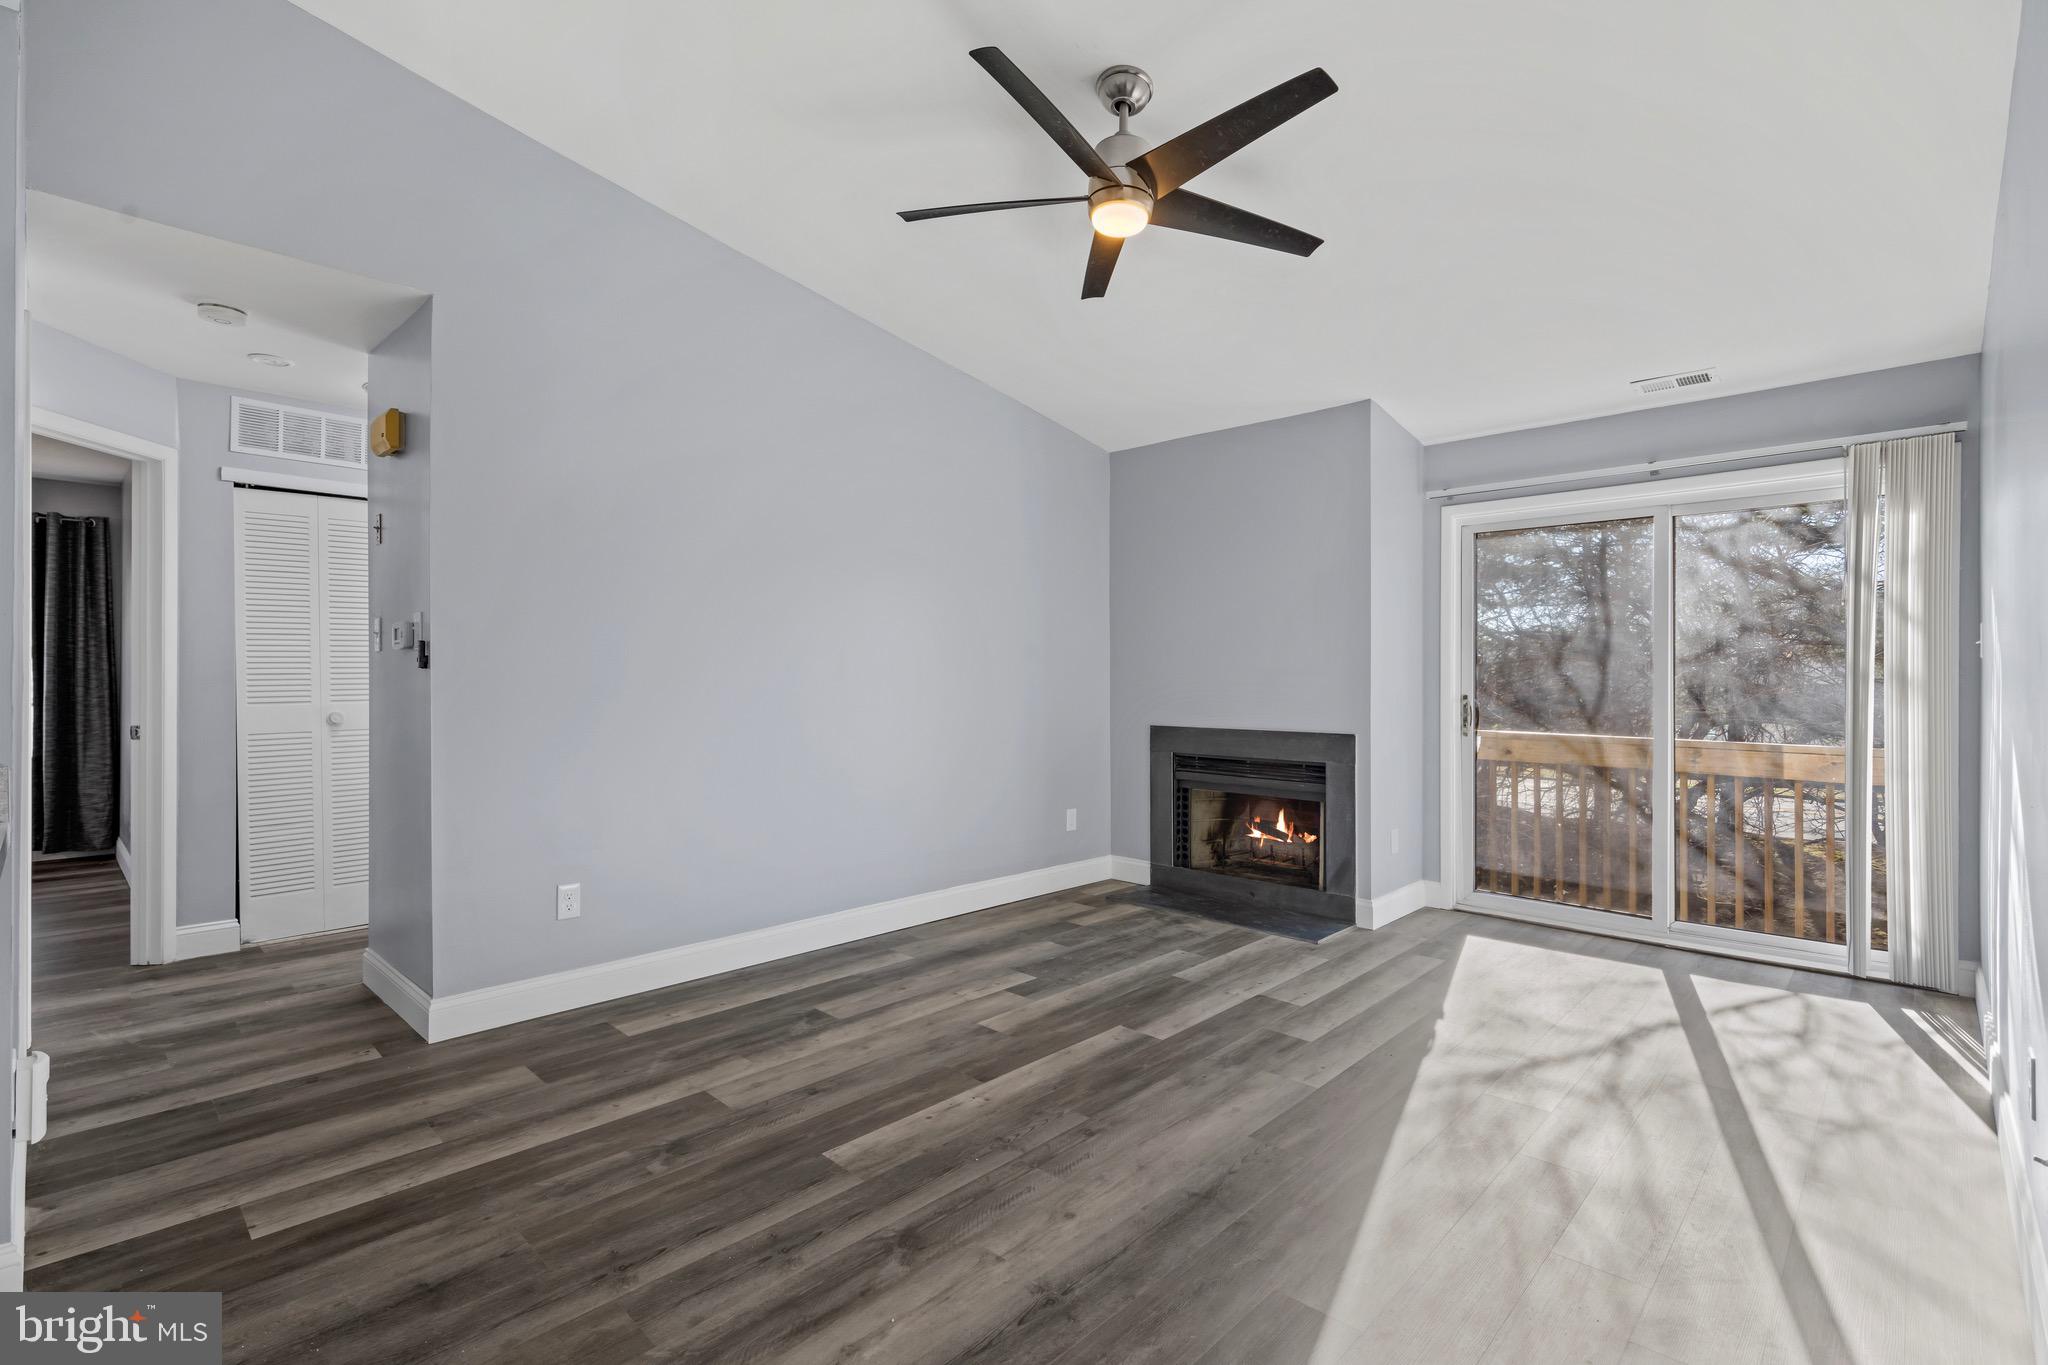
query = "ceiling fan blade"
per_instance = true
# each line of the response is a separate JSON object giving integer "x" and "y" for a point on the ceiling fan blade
{"x": 1044, "y": 111}
{"x": 1174, "y": 163}
{"x": 1102, "y": 253}
{"x": 1186, "y": 211}
{"x": 953, "y": 210}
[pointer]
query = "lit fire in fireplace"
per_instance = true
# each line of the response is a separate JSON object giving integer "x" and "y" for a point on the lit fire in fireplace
{"x": 1281, "y": 833}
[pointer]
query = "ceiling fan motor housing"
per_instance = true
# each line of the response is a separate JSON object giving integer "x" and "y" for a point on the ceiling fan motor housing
{"x": 1120, "y": 150}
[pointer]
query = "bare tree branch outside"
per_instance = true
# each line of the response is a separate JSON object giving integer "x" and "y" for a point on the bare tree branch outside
{"x": 1564, "y": 646}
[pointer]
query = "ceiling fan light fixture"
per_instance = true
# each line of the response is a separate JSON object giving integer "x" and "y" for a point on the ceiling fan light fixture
{"x": 1132, "y": 184}
{"x": 1119, "y": 210}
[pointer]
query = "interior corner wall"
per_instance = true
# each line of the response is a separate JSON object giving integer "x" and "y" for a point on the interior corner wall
{"x": 1585, "y": 454}
{"x": 1240, "y": 594}
{"x": 1400, "y": 603}
{"x": 745, "y": 611}
{"x": 2014, "y": 844}
{"x": 401, "y": 731}
{"x": 207, "y": 724}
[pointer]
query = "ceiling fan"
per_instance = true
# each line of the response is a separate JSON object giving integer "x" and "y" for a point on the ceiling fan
{"x": 1131, "y": 184}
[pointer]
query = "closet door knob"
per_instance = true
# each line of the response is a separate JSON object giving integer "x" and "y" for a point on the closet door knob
{"x": 334, "y": 718}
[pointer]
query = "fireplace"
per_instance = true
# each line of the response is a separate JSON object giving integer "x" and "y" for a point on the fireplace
{"x": 1264, "y": 817}
{"x": 1250, "y": 836}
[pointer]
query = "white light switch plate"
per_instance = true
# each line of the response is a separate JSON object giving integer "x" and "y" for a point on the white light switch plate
{"x": 1073, "y": 819}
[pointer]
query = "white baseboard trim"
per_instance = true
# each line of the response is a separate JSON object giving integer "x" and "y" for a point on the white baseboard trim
{"x": 204, "y": 940}
{"x": 1130, "y": 869}
{"x": 437, "y": 1018}
{"x": 396, "y": 989}
{"x": 10, "y": 1267}
{"x": 124, "y": 860}
{"x": 1380, "y": 911}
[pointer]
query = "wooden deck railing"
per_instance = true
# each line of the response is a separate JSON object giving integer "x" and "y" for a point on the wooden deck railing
{"x": 1566, "y": 818}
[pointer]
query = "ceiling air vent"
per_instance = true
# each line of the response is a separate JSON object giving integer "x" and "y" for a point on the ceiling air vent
{"x": 288, "y": 433}
{"x": 1665, "y": 383}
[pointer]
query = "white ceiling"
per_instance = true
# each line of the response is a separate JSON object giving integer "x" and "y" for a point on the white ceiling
{"x": 132, "y": 286}
{"x": 1527, "y": 205}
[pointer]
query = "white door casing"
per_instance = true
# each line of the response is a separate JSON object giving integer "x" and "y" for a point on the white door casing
{"x": 302, "y": 705}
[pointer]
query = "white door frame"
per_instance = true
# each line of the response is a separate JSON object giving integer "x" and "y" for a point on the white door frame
{"x": 149, "y": 674}
{"x": 1654, "y": 499}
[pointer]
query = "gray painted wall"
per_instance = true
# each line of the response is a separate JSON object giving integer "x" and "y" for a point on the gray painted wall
{"x": 1400, "y": 646}
{"x": 2014, "y": 446}
{"x": 91, "y": 383}
{"x": 107, "y": 501}
{"x": 1267, "y": 577}
{"x": 206, "y": 644}
{"x": 401, "y": 782}
{"x": 744, "y": 611}
{"x": 1883, "y": 400}
{"x": 13, "y": 488}
{"x": 1241, "y": 594}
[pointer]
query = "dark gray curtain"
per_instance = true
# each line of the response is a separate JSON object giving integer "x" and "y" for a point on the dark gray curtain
{"x": 77, "y": 693}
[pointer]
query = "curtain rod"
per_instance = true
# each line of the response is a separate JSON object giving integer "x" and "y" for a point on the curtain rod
{"x": 1656, "y": 467}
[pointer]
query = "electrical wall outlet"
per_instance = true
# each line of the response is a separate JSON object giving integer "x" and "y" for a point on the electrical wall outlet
{"x": 1073, "y": 819}
{"x": 569, "y": 901}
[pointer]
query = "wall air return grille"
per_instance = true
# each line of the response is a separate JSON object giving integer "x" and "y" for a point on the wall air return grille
{"x": 260, "y": 428}
{"x": 1666, "y": 383}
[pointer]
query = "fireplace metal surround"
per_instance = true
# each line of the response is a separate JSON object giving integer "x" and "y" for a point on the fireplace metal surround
{"x": 1280, "y": 763}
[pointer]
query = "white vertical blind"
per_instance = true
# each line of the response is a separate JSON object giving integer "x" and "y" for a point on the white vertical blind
{"x": 1866, "y": 488}
{"x": 1923, "y": 531}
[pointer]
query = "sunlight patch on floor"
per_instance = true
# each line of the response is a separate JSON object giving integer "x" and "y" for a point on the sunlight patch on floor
{"x": 1679, "y": 1156}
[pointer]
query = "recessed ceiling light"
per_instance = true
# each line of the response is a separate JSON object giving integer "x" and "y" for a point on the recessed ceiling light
{"x": 223, "y": 314}
{"x": 275, "y": 362}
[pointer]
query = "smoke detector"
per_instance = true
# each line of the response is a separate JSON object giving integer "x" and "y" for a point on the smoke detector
{"x": 223, "y": 314}
{"x": 1665, "y": 383}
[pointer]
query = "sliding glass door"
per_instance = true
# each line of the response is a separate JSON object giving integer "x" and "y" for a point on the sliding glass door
{"x": 1560, "y": 711}
{"x": 1760, "y": 678}
{"x": 1649, "y": 692}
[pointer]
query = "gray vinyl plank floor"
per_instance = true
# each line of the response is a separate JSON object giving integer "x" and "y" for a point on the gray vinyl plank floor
{"x": 1075, "y": 1129}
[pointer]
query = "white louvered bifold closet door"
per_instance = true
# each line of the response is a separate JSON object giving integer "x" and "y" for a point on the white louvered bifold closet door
{"x": 303, "y": 706}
